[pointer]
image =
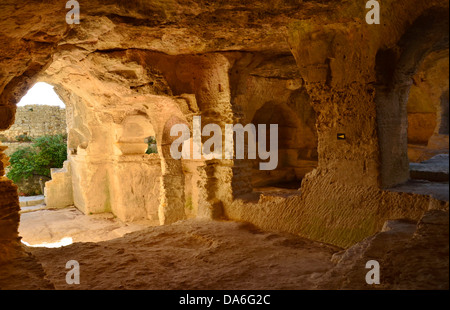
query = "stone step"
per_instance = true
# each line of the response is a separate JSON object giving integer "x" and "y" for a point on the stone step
{"x": 434, "y": 169}
{"x": 32, "y": 208}
{"x": 31, "y": 201}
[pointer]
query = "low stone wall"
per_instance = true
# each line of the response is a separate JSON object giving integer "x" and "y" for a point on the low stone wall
{"x": 330, "y": 212}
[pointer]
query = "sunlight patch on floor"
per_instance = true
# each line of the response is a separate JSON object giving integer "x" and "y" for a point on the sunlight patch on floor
{"x": 63, "y": 242}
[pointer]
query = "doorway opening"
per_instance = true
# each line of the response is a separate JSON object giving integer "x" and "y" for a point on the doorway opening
{"x": 297, "y": 148}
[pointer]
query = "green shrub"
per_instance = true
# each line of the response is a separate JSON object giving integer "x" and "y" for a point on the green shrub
{"x": 151, "y": 141}
{"x": 23, "y": 138}
{"x": 36, "y": 160}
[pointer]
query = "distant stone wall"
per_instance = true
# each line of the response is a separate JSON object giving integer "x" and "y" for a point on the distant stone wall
{"x": 36, "y": 121}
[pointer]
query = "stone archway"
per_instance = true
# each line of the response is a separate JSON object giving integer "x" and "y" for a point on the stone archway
{"x": 395, "y": 69}
{"x": 427, "y": 106}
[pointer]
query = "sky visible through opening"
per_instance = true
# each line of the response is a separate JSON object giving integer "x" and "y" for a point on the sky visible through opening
{"x": 42, "y": 94}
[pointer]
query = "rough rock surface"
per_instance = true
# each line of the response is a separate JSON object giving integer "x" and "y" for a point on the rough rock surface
{"x": 411, "y": 256}
{"x": 198, "y": 254}
{"x": 23, "y": 273}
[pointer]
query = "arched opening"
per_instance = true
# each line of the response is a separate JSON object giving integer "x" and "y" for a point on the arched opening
{"x": 37, "y": 147}
{"x": 395, "y": 69}
{"x": 297, "y": 148}
{"x": 427, "y": 108}
{"x": 126, "y": 180}
{"x": 40, "y": 123}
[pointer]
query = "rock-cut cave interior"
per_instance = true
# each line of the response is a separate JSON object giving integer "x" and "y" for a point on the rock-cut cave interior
{"x": 361, "y": 112}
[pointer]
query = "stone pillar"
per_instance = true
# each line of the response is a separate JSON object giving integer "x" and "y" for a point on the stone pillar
{"x": 392, "y": 132}
{"x": 91, "y": 193}
{"x": 172, "y": 200}
{"x": 210, "y": 205}
{"x": 439, "y": 140}
{"x": 443, "y": 114}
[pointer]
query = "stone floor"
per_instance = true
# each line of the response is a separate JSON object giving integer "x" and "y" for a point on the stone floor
{"x": 428, "y": 178}
{"x": 438, "y": 190}
{"x": 192, "y": 254}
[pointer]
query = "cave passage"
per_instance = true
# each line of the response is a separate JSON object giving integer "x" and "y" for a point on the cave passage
{"x": 363, "y": 144}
